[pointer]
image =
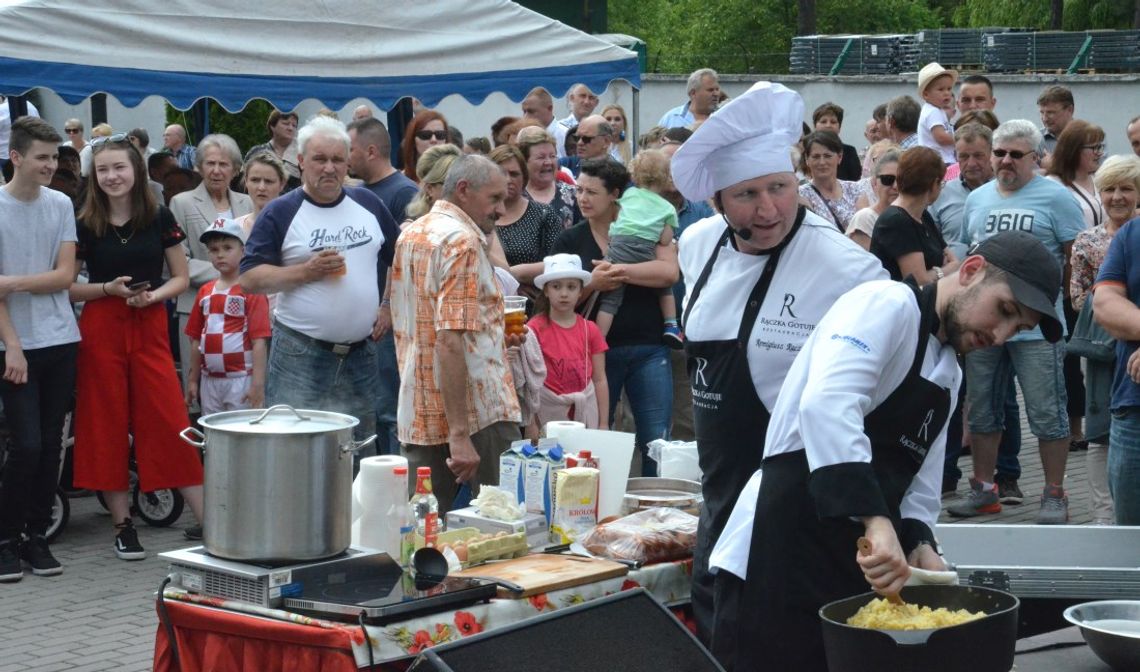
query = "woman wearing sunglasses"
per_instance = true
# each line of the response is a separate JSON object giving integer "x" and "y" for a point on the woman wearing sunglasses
{"x": 905, "y": 237}
{"x": 427, "y": 129}
{"x": 126, "y": 383}
{"x": 883, "y": 176}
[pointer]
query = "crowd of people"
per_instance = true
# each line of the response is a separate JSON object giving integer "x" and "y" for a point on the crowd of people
{"x": 684, "y": 273}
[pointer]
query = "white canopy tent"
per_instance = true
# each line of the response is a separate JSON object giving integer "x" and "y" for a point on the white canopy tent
{"x": 290, "y": 50}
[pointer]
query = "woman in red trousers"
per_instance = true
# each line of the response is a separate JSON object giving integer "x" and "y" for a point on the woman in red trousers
{"x": 126, "y": 380}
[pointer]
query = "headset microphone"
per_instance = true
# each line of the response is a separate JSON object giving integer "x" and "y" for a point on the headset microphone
{"x": 744, "y": 232}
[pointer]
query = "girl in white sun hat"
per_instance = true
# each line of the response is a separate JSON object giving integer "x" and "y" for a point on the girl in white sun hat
{"x": 572, "y": 347}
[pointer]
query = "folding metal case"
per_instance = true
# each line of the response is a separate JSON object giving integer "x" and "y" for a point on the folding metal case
{"x": 1034, "y": 561}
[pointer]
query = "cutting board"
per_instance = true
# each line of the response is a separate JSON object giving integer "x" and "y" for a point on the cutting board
{"x": 542, "y": 573}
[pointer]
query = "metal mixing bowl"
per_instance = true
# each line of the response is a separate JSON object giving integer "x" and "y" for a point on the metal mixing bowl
{"x": 1112, "y": 630}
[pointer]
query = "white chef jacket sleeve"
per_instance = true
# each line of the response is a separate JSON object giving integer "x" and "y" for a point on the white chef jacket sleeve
{"x": 864, "y": 345}
{"x": 923, "y": 499}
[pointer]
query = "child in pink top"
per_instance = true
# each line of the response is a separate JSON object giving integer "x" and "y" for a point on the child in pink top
{"x": 572, "y": 347}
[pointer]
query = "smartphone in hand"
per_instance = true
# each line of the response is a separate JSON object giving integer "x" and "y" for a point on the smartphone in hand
{"x": 139, "y": 286}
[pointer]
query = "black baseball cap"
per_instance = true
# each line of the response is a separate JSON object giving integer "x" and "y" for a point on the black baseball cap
{"x": 1034, "y": 274}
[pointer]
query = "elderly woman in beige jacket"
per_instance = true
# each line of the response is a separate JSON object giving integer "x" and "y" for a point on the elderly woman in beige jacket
{"x": 217, "y": 159}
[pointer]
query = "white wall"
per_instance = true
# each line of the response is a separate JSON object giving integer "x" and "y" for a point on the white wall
{"x": 1108, "y": 100}
{"x": 149, "y": 114}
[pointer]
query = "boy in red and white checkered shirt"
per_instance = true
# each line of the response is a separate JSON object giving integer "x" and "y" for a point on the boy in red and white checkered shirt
{"x": 228, "y": 330}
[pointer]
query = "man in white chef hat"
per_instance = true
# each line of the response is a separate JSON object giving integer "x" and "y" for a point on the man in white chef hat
{"x": 759, "y": 277}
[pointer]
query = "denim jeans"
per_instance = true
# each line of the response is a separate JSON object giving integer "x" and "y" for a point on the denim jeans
{"x": 1008, "y": 466}
{"x": 388, "y": 391}
{"x": 1124, "y": 464}
{"x": 645, "y": 372}
{"x": 1038, "y": 367}
{"x": 35, "y": 413}
{"x": 305, "y": 375}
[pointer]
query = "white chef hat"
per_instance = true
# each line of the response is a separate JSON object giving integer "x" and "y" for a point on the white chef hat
{"x": 749, "y": 137}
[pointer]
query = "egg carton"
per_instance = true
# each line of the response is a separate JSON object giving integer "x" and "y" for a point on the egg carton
{"x": 481, "y": 546}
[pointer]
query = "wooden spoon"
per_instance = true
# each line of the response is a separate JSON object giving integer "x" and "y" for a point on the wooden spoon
{"x": 865, "y": 549}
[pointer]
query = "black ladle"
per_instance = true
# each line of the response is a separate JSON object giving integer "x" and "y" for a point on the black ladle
{"x": 429, "y": 568}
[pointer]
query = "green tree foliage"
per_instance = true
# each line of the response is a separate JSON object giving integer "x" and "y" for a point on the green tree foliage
{"x": 247, "y": 127}
{"x": 754, "y": 36}
{"x": 1078, "y": 14}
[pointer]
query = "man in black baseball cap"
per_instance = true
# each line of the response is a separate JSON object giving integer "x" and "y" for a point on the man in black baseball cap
{"x": 1030, "y": 271}
{"x": 855, "y": 448}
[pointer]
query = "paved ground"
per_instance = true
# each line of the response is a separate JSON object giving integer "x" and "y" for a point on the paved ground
{"x": 99, "y": 615}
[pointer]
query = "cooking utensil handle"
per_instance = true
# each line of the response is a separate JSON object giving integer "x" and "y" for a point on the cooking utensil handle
{"x": 199, "y": 443}
{"x": 354, "y": 446}
{"x": 864, "y": 545}
{"x": 279, "y": 407}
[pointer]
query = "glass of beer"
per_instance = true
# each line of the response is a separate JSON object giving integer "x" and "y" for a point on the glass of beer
{"x": 514, "y": 319}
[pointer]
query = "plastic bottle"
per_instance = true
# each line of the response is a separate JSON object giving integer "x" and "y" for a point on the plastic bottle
{"x": 406, "y": 522}
{"x": 425, "y": 507}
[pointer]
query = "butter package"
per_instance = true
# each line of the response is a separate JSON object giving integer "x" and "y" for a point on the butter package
{"x": 540, "y": 471}
{"x": 512, "y": 468}
{"x": 533, "y": 524}
{"x": 576, "y": 511}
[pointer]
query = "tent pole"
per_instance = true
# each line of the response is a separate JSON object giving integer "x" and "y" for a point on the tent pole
{"x": 636, "y": 119}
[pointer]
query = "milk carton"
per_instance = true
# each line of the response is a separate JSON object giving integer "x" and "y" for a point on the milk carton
{"x": 512, "y": 468}
{"x": 541, "y": 470}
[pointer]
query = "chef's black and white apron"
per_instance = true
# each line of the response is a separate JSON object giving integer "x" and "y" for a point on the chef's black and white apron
{"x": 798, "y": 562}
{"x": 729, "y": 420}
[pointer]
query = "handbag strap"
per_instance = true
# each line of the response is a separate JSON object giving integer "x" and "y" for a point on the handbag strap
{"x": 834, "y": 215}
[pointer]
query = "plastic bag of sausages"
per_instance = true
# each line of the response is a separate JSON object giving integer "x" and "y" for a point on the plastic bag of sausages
{"x": 653, "y": 535}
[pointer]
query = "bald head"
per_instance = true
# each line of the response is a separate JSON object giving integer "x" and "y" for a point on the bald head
{"x": 361, "y": 112}
{"x": 594, "y": 137}
{"x": 174, "y": 137}
{"x": 538, "y": 105}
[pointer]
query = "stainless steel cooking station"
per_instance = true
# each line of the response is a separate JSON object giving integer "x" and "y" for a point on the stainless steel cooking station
{"x": 1079, "y": 562}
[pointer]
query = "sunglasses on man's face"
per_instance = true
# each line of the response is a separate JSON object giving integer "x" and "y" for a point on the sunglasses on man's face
{"x": 1012, "y": 153}
{"x": 887, "y": 180}
{"x": 586, "y": 139}
{"x": 428, "y": 135}
{"x": 71, "y": 131}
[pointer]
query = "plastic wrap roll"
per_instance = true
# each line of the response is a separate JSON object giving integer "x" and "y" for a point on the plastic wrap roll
{"x": 377, "y": 494}
{"x": 556, "y": 428}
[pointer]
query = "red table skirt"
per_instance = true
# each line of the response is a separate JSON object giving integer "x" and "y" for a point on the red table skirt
{"x": 220, "y": 641}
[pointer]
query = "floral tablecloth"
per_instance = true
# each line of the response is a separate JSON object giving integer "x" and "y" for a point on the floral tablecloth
{"x": 668, "y": 582}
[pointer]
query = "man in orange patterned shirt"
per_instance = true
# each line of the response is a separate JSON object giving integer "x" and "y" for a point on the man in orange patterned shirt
{"x": 457, "y": 408}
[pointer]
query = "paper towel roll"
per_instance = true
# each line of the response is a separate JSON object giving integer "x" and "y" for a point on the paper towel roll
{"x": 378, "y": 493}
{"x": 555, "y": 428}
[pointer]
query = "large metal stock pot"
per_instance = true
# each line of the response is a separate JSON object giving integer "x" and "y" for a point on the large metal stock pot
{"x": 278, "y": 483}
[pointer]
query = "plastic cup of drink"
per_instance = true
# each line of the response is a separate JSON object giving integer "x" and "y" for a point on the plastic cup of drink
{"x": 514, "y": 317}
{"x": 339, "y": 249}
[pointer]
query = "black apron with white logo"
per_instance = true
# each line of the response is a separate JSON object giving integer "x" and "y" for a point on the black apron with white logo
{"x": 799, "y": 562}
{"x": 729, "y": 421}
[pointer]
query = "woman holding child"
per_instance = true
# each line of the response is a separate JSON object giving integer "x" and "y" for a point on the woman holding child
{"x": 636, "y": 361}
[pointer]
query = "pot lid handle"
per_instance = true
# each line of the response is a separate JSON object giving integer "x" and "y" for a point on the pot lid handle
{"x": 278, "y": 407}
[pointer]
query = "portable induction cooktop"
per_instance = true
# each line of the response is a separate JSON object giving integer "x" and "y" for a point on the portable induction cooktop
{"x": 358, "y": 580}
